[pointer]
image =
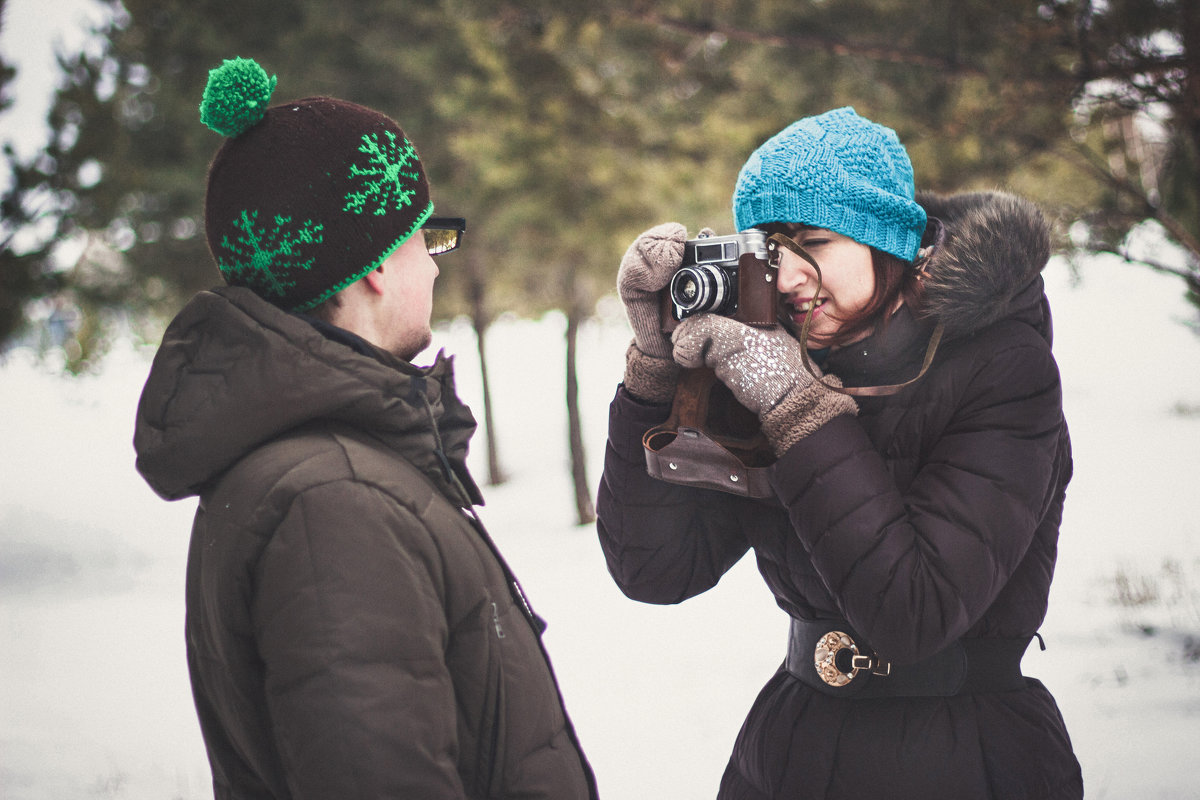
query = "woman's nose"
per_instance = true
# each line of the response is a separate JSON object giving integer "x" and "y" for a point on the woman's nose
{"x": 792, "y": 274}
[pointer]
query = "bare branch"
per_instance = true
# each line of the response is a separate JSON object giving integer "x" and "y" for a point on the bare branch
{"x": 1093, "y": 162}
{"x": 834, "y": 46}
{"x": 1133, "y": 64}
{"x": 1157, "y": 266}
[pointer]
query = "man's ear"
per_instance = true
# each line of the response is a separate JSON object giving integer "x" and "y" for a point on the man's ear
{"x": 374, "y": 280}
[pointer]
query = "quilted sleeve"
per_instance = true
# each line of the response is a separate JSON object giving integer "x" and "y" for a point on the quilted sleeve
{"x": 663, "y": 542}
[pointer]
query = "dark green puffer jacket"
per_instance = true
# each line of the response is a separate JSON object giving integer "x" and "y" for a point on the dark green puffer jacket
{"x": 352, "y": 631}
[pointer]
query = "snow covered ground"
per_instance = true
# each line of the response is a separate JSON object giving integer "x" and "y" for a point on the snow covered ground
{"x": 94, "y": 698}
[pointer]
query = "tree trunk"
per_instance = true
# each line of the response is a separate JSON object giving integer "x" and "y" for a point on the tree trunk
{"x": 1190, "y": 109}
{"x": 1189, "y": 16}
{"x": 585, "y": 510}
{"x": 481, "y": 320}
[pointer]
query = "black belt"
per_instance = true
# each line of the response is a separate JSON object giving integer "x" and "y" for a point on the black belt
{"x": 830, "y": 657}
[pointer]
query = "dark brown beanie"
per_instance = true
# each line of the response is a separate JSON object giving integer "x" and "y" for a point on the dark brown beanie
{"x": 305, "y": 197}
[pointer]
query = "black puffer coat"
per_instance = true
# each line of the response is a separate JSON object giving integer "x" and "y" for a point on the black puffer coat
{"x": 351, "y": 631}
{"x": 932, "y": 515}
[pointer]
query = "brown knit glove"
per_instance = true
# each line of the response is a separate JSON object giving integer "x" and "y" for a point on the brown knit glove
{"x": 764, "y": 370}
{"x": 646, "y": 269}
{"x": 803, "y": 411}
{"x": 649, "y": 378}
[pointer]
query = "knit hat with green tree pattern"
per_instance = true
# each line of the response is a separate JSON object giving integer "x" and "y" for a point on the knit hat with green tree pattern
{"x": 305, "y": 197}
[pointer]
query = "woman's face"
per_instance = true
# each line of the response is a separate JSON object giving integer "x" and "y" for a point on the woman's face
{"x": 847, "y": 282}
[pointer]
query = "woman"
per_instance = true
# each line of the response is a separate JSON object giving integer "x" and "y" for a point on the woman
{"x": 910, "y": 533}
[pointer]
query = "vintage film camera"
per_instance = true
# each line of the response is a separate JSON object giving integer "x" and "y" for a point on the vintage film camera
{"x": 727, "y": 275}
{"x": 709, "y": 439}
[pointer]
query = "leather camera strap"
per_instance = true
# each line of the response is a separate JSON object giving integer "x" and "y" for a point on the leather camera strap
{"x": 687, "y": 450}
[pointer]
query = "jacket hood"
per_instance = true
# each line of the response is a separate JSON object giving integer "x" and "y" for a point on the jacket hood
{"x": 988, "y": 266}
{"x": 234, "y": 371}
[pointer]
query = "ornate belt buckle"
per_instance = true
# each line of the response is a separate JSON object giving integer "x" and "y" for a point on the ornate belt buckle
{"x": 825, "y": 657}
{"x": 835, "y": 647}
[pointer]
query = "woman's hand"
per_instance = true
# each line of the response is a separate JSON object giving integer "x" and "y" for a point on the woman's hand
{"x": 646, "y": 269}
{"x": 759, "y": 365}
{"x": 764, "y": 369}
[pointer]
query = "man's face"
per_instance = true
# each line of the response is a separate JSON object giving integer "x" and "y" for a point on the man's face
{"x": 409, "y": 273}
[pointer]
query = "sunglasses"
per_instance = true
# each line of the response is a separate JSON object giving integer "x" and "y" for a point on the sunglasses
{"x": 443, "y": 234}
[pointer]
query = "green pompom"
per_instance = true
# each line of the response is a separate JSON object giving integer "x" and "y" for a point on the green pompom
{"x": 236, "y": 96}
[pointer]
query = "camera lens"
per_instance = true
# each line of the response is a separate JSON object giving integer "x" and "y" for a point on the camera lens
{"x": 698, "y": 289}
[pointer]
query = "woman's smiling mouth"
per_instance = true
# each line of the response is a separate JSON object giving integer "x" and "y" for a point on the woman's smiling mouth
{"x": 800, "y": 308}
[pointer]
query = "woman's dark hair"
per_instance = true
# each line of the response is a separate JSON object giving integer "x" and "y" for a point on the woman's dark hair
{"x": 894, "y": 279}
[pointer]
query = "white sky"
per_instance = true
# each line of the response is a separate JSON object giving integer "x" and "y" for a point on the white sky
{"x": 30, "y": 30}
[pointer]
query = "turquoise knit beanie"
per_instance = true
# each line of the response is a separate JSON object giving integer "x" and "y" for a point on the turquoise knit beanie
{"x": 837, "y": 171}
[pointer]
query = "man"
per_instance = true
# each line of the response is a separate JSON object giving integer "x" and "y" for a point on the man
{"x": 352, "y": 630}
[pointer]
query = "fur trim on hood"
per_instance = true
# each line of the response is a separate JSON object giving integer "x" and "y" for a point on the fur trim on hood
{"x": 996, "y": 245}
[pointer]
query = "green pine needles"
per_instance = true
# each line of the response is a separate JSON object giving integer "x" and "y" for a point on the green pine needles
{"x": 265, "y": 257}
{"x": 236, "y": 96}
{"x": 388, "y": 180}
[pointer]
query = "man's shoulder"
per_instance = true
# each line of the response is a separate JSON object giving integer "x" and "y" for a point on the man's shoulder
{"x": 277, "y": 471}
{"x": 323, "y": 468}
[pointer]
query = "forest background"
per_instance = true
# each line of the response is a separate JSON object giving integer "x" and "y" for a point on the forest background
{"x": 560, "y": 129}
